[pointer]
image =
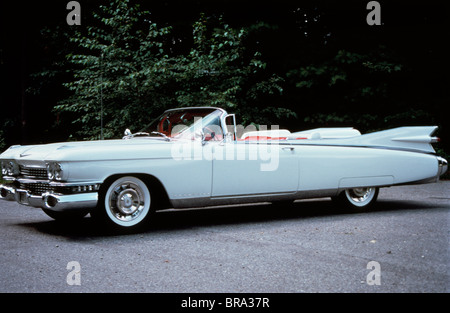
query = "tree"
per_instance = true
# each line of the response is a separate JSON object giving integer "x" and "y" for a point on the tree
{"x": 126, "y": 73}
{"x": 119, "y": 72}
{"x": 221, "y": 71}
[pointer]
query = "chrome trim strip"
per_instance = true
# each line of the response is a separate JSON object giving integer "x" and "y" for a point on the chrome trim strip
{"x": 194, "y": 108}
{"x": 57, "y": 184}
{"x": 256, "y": 195}
{"x": 243, "y": 199}
{"x": 363, "y": 146}
{"x": 10, "y": 179}
{"x": 292, "y": 142}
{"x": 32, "y": 181}
{"x": 74, "y": 184}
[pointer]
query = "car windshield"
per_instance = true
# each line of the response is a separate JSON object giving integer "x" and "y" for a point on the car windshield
{"x": 187, "y": 123}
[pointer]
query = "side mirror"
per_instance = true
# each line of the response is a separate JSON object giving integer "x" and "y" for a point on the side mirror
{"x": 201, "y": 135}
{"x": 127, "y": 134}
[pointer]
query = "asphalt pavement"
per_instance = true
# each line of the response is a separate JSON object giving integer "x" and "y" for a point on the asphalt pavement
{"x": 400, "y": 246}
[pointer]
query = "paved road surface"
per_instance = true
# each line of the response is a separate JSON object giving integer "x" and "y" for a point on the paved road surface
{"x": 309, "y": 247}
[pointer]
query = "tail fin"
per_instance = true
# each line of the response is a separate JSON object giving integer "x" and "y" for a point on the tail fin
{"x": 415, "y": 138}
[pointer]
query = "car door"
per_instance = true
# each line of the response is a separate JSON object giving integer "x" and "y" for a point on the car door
{"x": 242, "y": 168}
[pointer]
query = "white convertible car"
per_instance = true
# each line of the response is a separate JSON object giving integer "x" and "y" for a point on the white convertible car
{"x": 192, "y": 157}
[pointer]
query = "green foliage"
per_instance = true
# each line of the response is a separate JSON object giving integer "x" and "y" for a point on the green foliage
{"x": 121, "y": 66}
{"x": 220, "y": 71}
{"x": 342, "y": 69}
{"x": 298, "y": 70}
{"x": 125, "y": 71}
{"x": 6, "y": 126}
{"x": 2, "y": 141}
{"x": 354, "y": 85}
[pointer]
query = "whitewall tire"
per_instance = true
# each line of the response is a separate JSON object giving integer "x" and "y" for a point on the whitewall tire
{"x": 126, "y": 204}
{"x": 358, "y": 199}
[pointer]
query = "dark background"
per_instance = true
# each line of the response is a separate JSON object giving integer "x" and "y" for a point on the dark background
{"x": 413, "y": 33}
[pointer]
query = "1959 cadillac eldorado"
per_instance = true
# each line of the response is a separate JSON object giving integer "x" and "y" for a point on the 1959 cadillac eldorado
{"x": 192, "y": 157}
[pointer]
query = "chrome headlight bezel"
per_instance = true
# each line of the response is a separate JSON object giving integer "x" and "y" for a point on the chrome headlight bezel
{"x": 54, "y": 171}
{"x": 4, "y": 168}
{"x": 10, "y": 168}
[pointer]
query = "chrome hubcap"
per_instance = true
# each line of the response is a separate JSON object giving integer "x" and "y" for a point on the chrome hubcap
{"x": 126, "y": 201}
{"x": 360, "y": 195}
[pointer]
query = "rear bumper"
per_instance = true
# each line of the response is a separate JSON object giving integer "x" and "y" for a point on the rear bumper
{"x": 50, "y": 201}
{"x": 443, "y": 166}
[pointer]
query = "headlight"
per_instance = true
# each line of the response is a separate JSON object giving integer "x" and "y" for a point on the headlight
{"x": 54, "y": 171}
{"x": 10, "y": 168}
{"x": 4, "y": 170}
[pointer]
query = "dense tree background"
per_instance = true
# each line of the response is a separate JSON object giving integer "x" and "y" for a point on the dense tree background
{"x": 298, "y": 64}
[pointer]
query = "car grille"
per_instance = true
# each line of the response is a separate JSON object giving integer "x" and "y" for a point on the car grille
{"x": 35, "y": 181}
{"x": 36, "y": 188}
{"x": 33, "y": 172}
{"x": 39, "y": 188}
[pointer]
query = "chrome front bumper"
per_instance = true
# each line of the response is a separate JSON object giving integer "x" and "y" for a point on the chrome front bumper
{"x": 50, "y": 201}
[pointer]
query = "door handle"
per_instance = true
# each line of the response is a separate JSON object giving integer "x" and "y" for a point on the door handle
{"x": 288, "y": 148}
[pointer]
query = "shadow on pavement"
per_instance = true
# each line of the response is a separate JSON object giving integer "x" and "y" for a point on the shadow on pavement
{"x": 177, "y": 220}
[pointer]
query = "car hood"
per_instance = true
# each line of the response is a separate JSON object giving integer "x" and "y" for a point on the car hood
{"x": 135, "y": 148}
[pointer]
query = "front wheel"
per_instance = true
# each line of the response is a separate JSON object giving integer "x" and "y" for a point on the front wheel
{"x": 358, "y": 199}
{"x": 126, "y": 204}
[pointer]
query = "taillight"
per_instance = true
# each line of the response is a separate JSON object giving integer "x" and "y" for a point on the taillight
{"x": 435, "y": 139}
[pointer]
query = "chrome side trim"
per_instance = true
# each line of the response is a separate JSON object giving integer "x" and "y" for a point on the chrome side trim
{"x": 243, "y": 199}
{"x": 57, "y": 184}
{"x": 356, "y": 146}
{"x": 73, "y": 184}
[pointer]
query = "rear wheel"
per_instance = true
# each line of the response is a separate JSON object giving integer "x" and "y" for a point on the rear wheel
{"x": 125, "y": 205}
{"x": 358, "y": 199}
